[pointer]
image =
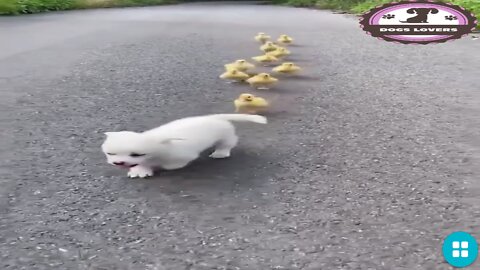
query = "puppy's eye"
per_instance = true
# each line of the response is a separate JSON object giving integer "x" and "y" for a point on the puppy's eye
{"x": 111, "y": 154}
{"x": 136, "y": 155}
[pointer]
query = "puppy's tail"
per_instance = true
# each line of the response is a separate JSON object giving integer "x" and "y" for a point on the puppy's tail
{"x": 241, "y": 118}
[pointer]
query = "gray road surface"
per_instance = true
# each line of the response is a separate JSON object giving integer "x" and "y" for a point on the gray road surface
{"x": 368, "y": 161}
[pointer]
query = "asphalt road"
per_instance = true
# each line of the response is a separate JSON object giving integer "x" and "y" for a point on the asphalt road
{"x": 369, "y": 161}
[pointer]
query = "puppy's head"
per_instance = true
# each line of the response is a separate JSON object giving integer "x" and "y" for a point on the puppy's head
{"x": 126, "y": 148}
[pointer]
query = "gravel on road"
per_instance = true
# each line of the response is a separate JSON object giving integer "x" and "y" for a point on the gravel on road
{"x": 368, "y": 161}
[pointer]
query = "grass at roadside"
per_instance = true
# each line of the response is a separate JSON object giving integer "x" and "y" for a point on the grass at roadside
{"x": 361, "y": 6}
{"x": 15, "y": 7}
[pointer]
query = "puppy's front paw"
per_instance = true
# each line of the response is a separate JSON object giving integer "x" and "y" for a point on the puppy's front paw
{"x": 220, "y": 154}
{"x": 140, "y": 172}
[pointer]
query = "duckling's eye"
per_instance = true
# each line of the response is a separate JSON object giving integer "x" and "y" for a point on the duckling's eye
{"x": 241, "y": 61}
{"x": 136, "y": 155}
{"x": 234, "y": 72}
{"x": 265, "y": 76}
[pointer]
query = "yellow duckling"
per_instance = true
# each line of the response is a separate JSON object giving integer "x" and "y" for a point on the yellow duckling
{"x": 248, "y": 103}
{"x": 240, "y": 65}
{"x": 265, "y": 58}
{"x": 234, "y": 75}
{"x": 262, "y": 37}
{"x": 268, "y": 47}
{"x": 287, "y": 68}
{"x": 279, "y": 52}
{"x": 262, "y": 81}
{"x": 284, "y": 39}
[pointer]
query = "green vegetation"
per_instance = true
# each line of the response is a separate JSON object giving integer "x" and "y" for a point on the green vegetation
{"x": 14, "y": 7}
{"x": 296, "y": 3}
{"x": 361, "y": 6}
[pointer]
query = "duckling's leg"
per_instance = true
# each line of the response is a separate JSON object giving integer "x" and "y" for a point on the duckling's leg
{"x": 223, "y": 148}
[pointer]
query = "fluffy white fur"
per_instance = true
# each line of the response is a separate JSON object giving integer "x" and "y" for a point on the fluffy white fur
{"x": 175, "y": 144}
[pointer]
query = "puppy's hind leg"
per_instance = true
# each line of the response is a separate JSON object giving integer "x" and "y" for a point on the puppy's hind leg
{"x": 223, "y": 148}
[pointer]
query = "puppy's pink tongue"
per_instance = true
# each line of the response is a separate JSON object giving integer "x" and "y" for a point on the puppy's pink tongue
{"x": 126, "y": 166}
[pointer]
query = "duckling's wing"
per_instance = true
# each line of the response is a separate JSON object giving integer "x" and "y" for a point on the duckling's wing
{"x": 244, "y": 76}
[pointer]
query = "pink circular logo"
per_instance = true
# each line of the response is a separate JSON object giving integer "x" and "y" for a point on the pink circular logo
{"x": 418, "y": 22}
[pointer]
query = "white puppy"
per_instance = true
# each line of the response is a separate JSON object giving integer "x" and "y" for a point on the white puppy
{"x": 175, "y": 144}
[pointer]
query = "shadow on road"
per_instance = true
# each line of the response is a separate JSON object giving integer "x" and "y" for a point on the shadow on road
{"x": 241, "y": 171}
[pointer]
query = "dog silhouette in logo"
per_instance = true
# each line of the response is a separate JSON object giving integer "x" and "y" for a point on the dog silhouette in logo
{"x": 422, "y": 14}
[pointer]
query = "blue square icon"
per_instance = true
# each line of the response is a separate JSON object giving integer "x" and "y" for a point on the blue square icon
{"x": 460, "y": 249}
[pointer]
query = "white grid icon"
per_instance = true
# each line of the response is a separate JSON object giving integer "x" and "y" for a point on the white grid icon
{"x": 460, "y": 249}
{"x": 455, "y": 253}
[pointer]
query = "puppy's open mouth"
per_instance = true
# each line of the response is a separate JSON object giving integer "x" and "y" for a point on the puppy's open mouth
{"x": 126, "y": 165}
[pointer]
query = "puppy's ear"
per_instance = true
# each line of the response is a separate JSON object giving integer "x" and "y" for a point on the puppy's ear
{"x": 170, "y": 140}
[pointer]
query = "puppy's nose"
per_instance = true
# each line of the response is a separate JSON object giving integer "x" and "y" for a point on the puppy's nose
{"x": 119, "y": 163}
